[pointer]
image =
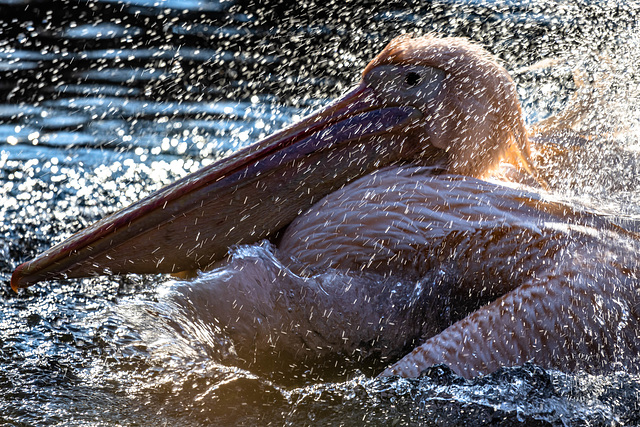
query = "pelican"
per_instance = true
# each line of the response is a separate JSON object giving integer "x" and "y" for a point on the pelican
{"x": 388, "y": 235}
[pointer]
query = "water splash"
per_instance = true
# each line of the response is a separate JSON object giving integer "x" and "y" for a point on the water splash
{"x": 86, "y": 127}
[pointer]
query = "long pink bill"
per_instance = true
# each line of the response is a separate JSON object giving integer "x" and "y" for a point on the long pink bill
{"x": 246, "y": 197}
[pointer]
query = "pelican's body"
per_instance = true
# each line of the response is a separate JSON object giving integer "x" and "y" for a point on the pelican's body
{"x": 393, "y": 242}
{"x": 513, "y": 276}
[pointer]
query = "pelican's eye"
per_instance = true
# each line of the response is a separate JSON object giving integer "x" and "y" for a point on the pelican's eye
{"x": 412, "y": 79}
{"x": 405, "y": 84}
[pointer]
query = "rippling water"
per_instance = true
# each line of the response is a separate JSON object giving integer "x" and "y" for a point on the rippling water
{"x": 102, "y": 102}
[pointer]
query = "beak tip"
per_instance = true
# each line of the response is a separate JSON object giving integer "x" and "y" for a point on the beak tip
{"x": 17, "y": 278}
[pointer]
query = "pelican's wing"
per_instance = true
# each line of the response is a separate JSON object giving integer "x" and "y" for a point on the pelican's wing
{"x": 580, "y": 313}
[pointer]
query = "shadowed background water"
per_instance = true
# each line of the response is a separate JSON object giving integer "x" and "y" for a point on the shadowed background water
{"x": 102, "y": 102}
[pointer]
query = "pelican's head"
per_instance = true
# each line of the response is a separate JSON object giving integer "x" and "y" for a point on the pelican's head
{"x": 468, "y": 101}
{"x": 420, "y": 100}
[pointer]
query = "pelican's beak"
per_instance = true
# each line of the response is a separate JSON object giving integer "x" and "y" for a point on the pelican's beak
{"x": 248, "y": 196}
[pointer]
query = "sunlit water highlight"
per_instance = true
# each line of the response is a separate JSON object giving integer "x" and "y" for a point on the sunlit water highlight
{"x": 105, "y": 102}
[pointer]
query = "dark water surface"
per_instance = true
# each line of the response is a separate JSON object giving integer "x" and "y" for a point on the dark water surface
{"x": 102, "y": 102}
